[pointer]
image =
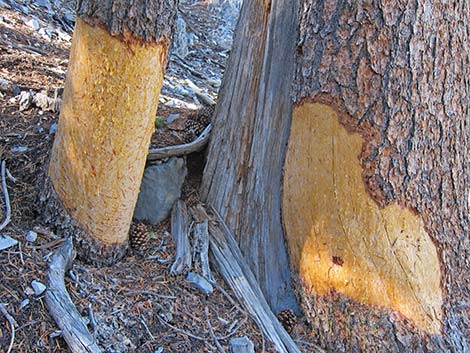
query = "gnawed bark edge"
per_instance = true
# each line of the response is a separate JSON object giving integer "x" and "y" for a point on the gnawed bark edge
{"x": 60, "y": 304}
{"x": 89, "y": 249}
{"x": 144, "y": 20}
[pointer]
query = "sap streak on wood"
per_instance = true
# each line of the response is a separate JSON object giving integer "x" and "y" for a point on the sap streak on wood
{"x": 180, "y": 220}
{"x": 61, "y": 307}
{"x": 242, "y": 178}
{"x": 237, "y": 274}
{"x": 397, "y": 73}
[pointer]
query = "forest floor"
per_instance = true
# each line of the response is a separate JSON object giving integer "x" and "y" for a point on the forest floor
{"x": 134, "y": 306}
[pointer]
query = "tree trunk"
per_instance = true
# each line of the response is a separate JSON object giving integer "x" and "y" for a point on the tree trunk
{"x": 376, "y": 178}
{"x": 242, "y": 178}
{"x": 117, "y": 60}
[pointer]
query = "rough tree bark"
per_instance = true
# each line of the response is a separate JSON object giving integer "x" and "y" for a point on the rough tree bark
{"x": 118, "y": 56}
{"x": 376, "y": 184}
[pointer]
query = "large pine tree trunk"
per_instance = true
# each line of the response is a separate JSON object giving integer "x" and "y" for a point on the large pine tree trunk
{"x": 376, "y": 178}
{"x": 118, "y": 56}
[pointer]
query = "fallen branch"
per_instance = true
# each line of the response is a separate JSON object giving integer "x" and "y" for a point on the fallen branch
{"x": 61, "y": 307}
{"x": 180, "y": 330}
{"x": 238, "y": 275}
{"x": 201, "y": 248}
{"x": 181, "y": 150}
{"x": 211, "y": 332}
{"x": 7, "y": 198}
{"x": 180, "y": 232}
{"x": 12, "y": 323}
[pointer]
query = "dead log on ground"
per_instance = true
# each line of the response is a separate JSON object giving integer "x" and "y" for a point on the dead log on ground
{"x": 241, "y": 280}
{"x": 201, "y": 248}
{"x": 180, "y": 222}
{"x": 61, "y": 307}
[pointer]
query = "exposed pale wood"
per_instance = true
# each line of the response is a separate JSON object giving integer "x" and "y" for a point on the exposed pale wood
{"x": 340, "y": 239}
{"x": 61, "y": 307}
{"x": 181, "y": 150}
{"x": 396, "y": 76}
{"x": 201, "y": 248}
{"x": 180, "y": 223}
{"x": 107, "y": 117}
{"x": 241, "y": 280}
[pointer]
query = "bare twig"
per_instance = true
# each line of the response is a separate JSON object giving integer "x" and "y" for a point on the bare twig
{"x": 91, "y": 317}
{"x": 211, "y": 331}
{"x": 11, "y": 177}
{"x": 233, "y": 330}
{"x": 181, "y": 331}
{"x": 7, "y": 198}
{"x": 147, "y": 329}
{"x": 12, "y": 323}
{"x": 149, "y": 292}
{"x": 21, "y": 253}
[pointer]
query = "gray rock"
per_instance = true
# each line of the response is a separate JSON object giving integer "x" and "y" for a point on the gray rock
{"x": 53, "y": 129}
{"x": 180, "y": 41}
{"x": 241, "y": 345}
{"x": 19, "y": 149}
{"x": 31, "y": 236}
{"x": 199, "y": 283}
{"x": 33, "y": 23}
{"x": 38, "y": 288}
{"x": 160, "y": 188}
{"x": 44, "y": 3}
{"x": 24, "y": 303}
{"x": 6, "y": 241}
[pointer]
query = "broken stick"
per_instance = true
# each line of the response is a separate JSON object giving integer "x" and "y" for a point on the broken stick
{"x": 61, "y": 307}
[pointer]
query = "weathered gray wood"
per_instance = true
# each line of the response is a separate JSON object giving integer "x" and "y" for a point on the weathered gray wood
{"x": 181, "y": 150}
{"x": 180, "y": 231}
{"x": 201, "y": 248}
{"x": 242, "y": 178}
{"x": 61, "y": 307}
{"x": 7, "y": 197}
{"x": 241, "y": 280}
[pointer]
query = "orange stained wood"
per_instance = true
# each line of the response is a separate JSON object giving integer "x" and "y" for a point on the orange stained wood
{"x": 339, "y": 239}
{"x": 106, "y": 121}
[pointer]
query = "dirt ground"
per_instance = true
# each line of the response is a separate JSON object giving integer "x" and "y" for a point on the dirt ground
{"x": 134, "y": 306}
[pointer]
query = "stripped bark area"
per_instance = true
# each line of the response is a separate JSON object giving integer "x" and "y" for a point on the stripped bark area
{"x": 145, "y": 20}
{"x": 61, "y": 307}
{"x": 397, "y": 75}
{"x": 118, "y": 57}
{"x": 180, "y": 223}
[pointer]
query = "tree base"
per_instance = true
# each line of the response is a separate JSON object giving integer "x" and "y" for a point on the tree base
{"x": 89, "y": 249}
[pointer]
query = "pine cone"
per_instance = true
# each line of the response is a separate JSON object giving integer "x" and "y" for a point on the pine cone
{"x": 138, "y": 235}
{"x": 288, "y": 319}
{"x": 196, "y": 123}
{"x": 206, "y": 113}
